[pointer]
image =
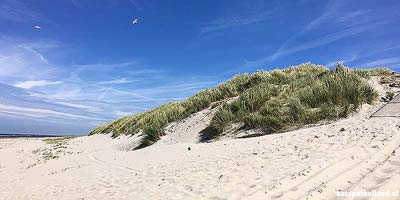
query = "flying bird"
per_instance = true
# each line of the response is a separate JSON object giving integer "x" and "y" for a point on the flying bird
{"x": 135, "y": 21}
{"x": 37, "y": 27}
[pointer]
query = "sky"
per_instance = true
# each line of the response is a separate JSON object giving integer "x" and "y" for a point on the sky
{"x": 68, "y": 66}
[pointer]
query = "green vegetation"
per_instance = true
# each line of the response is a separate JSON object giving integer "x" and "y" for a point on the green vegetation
{"x": 296, "y": 96}
{"x": 390, "y": 95}
{"x": 54, "y": 149}
{"x": 153, "y": 122}
{"x": 58, "y": 140}
{"x": 273, "y": 101}
{"x": 366, "y": 73}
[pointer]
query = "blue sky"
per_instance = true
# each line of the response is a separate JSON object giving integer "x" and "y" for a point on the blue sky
{"x": 86, "y": 63}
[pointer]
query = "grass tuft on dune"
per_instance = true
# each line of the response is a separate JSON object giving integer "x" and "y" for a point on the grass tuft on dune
{"x": 295, "y": 97}
{"x": 270, "y": 100}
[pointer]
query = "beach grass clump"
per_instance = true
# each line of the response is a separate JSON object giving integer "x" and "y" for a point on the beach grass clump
{"x": 295, "y": 97}
{"x": 269, "y": 100}
{"x": 366, "y": 73}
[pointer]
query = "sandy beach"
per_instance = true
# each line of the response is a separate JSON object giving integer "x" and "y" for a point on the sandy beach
{"x": 354, "y": 154}
{"x": 199, "y": 100}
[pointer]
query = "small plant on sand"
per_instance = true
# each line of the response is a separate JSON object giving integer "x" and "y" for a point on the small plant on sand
{"x": 390, "y": 95}
{"x": 57, "y": 140}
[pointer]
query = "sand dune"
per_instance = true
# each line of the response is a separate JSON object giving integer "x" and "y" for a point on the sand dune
{"x": 353, "y": 154}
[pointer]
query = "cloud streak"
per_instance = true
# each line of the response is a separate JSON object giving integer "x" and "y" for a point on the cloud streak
{"x": 116, "y": 81}
{"x": 321, "y": 41}
{"x": 16, "y": 11}
{"x": 395, "y": 61}
{"x": 335, "y": 16}
{"x": 324, "y": 40}
{"x": 39, "y": 83}
{"x": 237, "y": 21}
{"x": 246, "y": 14}
{"x": 37, "y": 112}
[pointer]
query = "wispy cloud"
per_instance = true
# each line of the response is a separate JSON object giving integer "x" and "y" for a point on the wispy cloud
{"x": 364, "y": 53}
{"x": 328, "y": 12}
{"x": 25, "y": 59}
{"x": 322, "y": 41}
{"x": 36, "y": 53}
{"x": 237, "y": 21}
{"x": 39, "y": 83}
{"x": 116, "y": 81}
{"x": 127, "y": 93}
{"x": 136, "y": 4}
{"x": 122, "y": 113}
{"x": 76, "y": 105}
{"x": 334, "y": 17}
{"x": 386, "y": 62}
{"x": 16, "y": 11}
{"x": 246, "y": 14}
{"x": 352, "y": 15}
{"x": 38, "y": 112}
{"x": 106, "y": 65}
{"x": 328, "y": 15}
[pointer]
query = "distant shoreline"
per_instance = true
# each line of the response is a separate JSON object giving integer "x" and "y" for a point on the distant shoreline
{"x": 29, "y": 135}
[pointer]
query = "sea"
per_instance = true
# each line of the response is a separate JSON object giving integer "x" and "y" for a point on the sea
{"x": 27, "y": 135}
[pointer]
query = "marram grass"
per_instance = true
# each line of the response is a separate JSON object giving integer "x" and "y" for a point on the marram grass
{"x": 270, "y": 100}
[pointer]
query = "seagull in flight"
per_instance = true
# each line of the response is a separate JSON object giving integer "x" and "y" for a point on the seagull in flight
{"x": 135, "y": 21}
{"x": 37, "y": 27}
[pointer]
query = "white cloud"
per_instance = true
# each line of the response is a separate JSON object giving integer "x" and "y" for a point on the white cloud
{"x": 122, "y": 113}
{"x": 81, "y": 106}
{"x": 39, "y": 83}
{"x": 106, "y": 65}
{"x": 327, "y": 39}
{"x": 15, "y": 10}
{"x": 335, "y": 16}
{"x": 67, "y": 93}
{"x": 38, "y": 112}
{"x": 36, "y": 53}
{"x": 382, "y": 62}
{"x": 19, "y": 60}
{"x": 244, "y": 15}
{"x": 363, "y": 53}
{"x": 352, "y": 15}
{"x": 321, "y": 41}
{"x": 102, "y": 95}
{"x": 136, "y": 4}
{"x": 116, "y": 81}
{"x": 235, "y": 22}
{"x": 330, "y": 11}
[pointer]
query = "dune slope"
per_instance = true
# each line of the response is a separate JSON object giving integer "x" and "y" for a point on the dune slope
{"x": 270, "y": 101}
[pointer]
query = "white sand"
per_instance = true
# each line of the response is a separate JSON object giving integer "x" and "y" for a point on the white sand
{"x": 311, "y": 163}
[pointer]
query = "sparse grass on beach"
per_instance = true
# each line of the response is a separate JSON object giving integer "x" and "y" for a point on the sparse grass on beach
{"x": 270, "y": 100}
{"x": 57, "y": 140}
{"x": 54, "y": 148}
